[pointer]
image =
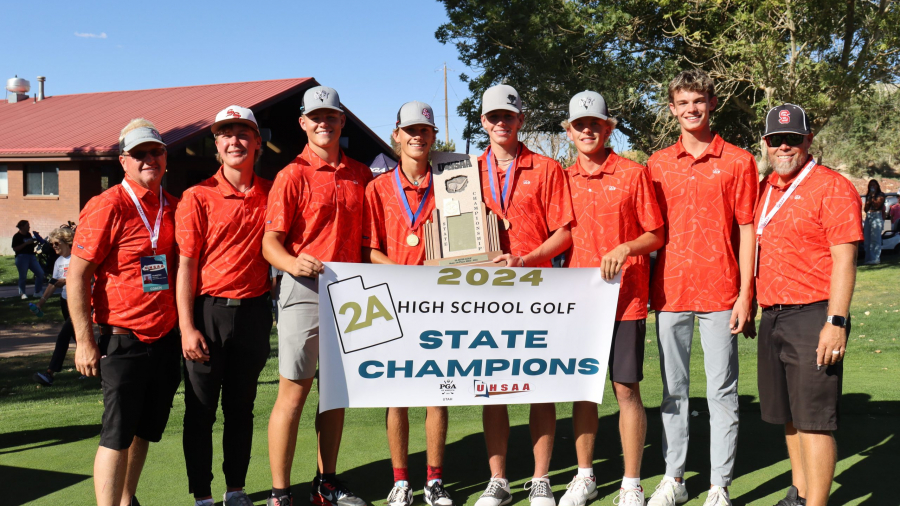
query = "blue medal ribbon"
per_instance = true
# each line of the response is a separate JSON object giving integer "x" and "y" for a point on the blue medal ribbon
{"x": 413, "y": 217}
{"x": 510, "y": 174}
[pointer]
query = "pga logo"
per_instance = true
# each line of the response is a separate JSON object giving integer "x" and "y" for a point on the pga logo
{"x": 364, "y": 316}
{"x": 447, "y": 388}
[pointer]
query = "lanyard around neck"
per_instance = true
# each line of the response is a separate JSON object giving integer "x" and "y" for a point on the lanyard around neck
{"x": 767, "y": 217}
{"x": 510, "y": 174}
{"x": 401, "y": 194}
{"x": 154, "y": 232}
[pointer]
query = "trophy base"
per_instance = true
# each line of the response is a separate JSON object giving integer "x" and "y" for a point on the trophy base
{"x": 486, "y": 259}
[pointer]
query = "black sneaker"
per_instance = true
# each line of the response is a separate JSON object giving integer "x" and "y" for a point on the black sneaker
{"x": 134, "y": 501}
{"x": 43, "y": 378}
{"x": 435, "y": 495}
{"x": 332, "y": 493}
{"x": 792, "y": 498}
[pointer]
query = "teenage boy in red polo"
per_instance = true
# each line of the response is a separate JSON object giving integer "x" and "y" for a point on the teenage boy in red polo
{"x": 397, "y": 204}
{"x": 529, "y": 194}
{"x": 808, "y": 227}
{"x": 704, "y": 185}
{"x": 617, "y": 225}
{"x": 315, "y": 215}
{"x": 223, "y": 305}
{"x": 126, "y": 243}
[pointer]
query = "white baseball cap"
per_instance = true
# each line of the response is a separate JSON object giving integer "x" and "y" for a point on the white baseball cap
{"x": 415, "y": 113}
{"x": 234, "y": 114}
{"x": 588, "y": 104}
{"x": 501, "y": 97}
{"x": 320, "y": 97}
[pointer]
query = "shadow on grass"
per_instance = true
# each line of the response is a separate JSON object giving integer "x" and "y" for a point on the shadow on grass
{"x": 868, "y": 430}
{"x": 33, "y": 483}
{"x": 13, "y": 442}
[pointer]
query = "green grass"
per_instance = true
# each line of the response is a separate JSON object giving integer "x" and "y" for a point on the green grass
{"x": 9, "y": 275}
{"x": 14, "y": 311}
{"x": 48, "y": 436}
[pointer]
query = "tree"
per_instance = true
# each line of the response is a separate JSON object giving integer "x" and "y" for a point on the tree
{"x": 440, "y": 145}
{"x": 761, "y": 53}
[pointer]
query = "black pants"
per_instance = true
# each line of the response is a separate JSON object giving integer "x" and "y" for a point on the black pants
{"x": 65, "y": 336}
{"x": 238, "y": 341}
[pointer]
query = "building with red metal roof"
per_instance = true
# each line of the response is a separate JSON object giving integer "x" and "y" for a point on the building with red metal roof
{"x": 58, "y": 152}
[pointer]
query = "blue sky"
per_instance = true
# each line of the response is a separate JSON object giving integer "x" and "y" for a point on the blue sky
{"x": 378, "y": 55}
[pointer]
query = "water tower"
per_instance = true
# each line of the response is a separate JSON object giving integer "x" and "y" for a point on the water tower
{"x": 17, "y": 89}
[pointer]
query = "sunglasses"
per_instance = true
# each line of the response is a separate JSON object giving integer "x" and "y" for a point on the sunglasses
{"x": 55, "y": 244}
{"x": 775, "y": 140}
{"x": 141, "y": 154}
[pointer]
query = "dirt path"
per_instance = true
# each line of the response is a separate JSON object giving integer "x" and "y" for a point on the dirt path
{"x": 16, "y": 340}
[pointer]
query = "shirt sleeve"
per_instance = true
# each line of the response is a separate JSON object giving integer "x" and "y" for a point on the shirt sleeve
{"x": 557, "y": 198}
{"x": 840, "y": 213}
{"x": 747, "y": 186}
{"x": 283, "y": 202}
{"x": 373, "y": 217}
{"x": 645, "y": 204}
{"x": 190, "y": 227}
{"x": 93, "y": 237}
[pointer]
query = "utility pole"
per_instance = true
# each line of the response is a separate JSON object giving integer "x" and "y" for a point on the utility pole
{"x": 446, "y": 109}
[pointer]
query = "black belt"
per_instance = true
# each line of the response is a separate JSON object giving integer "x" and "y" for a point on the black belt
{"x": 224, "y": 301}
{"x": 112, "y": 330}
{"x": 785, "y": 307}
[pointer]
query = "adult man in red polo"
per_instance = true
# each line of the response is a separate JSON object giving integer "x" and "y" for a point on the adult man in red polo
{"x": 126, "y": 244}
{"x": 529, "y": 194}
{"x": 617, "y": 225}
{"x": 223, "y": 304}
{"x": 315, "y": 215}
{"x": 704, "y": 186}
{"x": 808, "y": 224}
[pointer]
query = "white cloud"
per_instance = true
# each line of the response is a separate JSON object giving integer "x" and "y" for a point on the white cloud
{"x": 91, "y": 35}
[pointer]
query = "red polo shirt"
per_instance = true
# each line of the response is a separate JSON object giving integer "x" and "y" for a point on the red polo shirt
{"x": 319, "y": 208}
{"x": 539, "y": 201}
{"x": 794, "y": 252}
{"x": 615, "y": 205}
{"x": 700, "y": 200}
{"x": 223, "y": 229}
{"x": 386, "y": 223}
{"x": 112, "y": 235}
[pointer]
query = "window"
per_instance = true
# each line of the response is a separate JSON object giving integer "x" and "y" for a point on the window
{"x": 41, "y": 179}
{"x": 4, "y": 183}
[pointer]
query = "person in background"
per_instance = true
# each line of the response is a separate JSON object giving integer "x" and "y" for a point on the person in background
{"x": 874, "y": 209}
{"x": 23, "y": 243}
{"x": 396, "y": 207}
{"x": 61, "y": 241}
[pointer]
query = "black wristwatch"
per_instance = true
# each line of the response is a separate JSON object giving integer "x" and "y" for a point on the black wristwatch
{"x": 837, "y": 321}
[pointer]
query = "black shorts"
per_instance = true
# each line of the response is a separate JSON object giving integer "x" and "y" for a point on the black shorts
{"x": 139, "y": 381}
{"x": 791, "y": 388}
{"x": 626, "y": 357}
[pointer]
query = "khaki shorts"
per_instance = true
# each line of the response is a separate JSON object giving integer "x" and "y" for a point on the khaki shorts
{"x": 298, "y": 327}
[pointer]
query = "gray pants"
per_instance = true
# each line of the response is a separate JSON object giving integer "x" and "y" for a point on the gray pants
{"x": 674, "y": 333}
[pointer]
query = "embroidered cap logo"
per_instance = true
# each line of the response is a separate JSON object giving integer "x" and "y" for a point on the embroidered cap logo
{"x": 512, "y": 99}
{"x": 784, "y": 117}
{"x": 426, "y": 113}
{"x": 586, "y": 102}
{"x": 321, "y": 95}
{"x": 232, "y": 113}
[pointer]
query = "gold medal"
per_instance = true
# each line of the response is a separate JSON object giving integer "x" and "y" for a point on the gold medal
{"x": 505, "y": 224}
{"x": 412, "y": 240}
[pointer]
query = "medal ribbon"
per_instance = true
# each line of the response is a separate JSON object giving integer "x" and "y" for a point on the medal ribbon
{"x": 154, "y": 232}
{"x": 510, "y": 174}
{"x": 414, "y": 218}
{"x": 766, "y": 218}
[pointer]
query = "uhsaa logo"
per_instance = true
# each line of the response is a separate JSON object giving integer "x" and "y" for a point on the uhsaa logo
{"x": 488, "y": 389}
{"x": 364, "y": 317}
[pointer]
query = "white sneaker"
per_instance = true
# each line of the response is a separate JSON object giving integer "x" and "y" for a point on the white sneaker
{"x": 668, "y": 493}
{"x": 496, "y": 494}
{"x": 630, "y": 497}
{"x": 540, "y": 494}
{"x": 400, "y": 496}
{"x": 718, "y": 496}
{"x": 24, "y": 296}
{"x": 579, "y": 491}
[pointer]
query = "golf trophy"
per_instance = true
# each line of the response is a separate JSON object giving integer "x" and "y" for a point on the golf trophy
{"x": 461, "y": 230}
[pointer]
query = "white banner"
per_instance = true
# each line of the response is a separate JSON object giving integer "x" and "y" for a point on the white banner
{"x": 404, "y": 336}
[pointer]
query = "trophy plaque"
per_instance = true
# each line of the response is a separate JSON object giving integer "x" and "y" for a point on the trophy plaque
{"x": 461, "y": 230}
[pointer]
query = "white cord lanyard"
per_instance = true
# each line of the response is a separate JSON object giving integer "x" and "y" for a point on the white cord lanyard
{"x": 154, "y": 232}
{"x": 767, "y": 217}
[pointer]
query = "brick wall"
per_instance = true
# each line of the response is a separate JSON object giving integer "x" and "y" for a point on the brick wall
{"x": 44, "y": 213}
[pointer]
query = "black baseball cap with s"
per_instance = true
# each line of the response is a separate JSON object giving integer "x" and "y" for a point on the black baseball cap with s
{"x": 787, "y": 119}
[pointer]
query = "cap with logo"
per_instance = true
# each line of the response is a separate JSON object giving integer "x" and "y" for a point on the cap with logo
{"x": 234, "y": 114}
{"x": 588, "y": 104}
{"x": 787, "y": 119}
{"x": 415, "y": 113}
{"x": 501, "y": 97}
{"x": 320, "y": 97}
{"x": 139, "y": 136}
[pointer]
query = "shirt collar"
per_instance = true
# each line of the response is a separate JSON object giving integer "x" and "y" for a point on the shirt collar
{"x": 713, "y": 149}
{"x": 608, "y": 166}
{"x": 139, "y": 191}
{"x": 408, "y": 185}
{"x": 227, "y": 189}
{"x": 525, "y": 158}
{"x": 774, "y": 180}
{"x": 314, "y": 161}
